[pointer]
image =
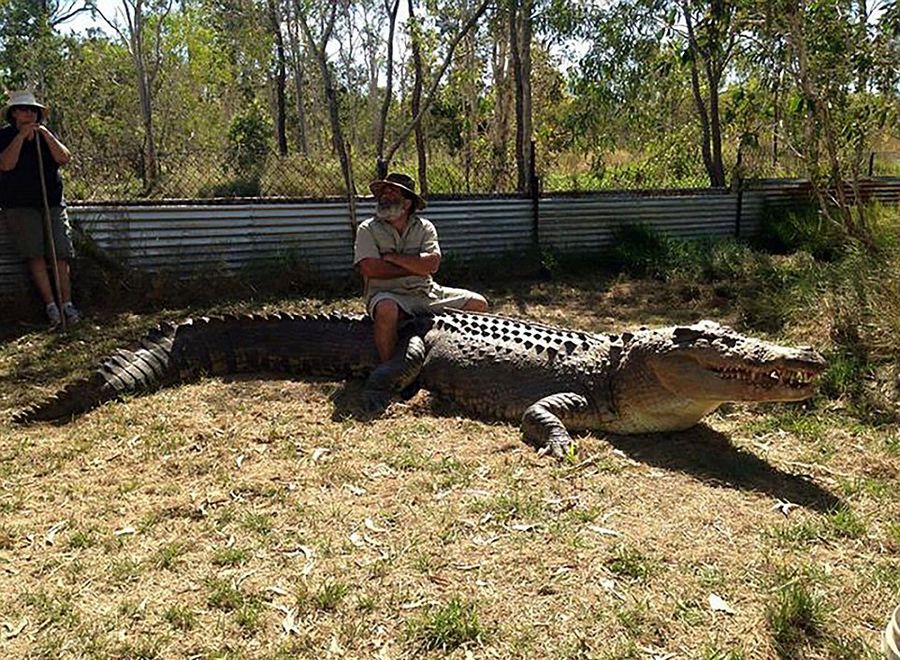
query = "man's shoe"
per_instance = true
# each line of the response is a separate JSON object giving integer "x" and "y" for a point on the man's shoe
{"x": 53, "y": 315}
{"x": 73, "y": 316}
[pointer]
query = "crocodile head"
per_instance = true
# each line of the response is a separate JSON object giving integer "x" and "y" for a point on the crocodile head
{"x": 671, "y": 377}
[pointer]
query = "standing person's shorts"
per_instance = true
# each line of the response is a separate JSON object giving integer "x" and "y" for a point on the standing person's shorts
{"x": 26, "y": 231}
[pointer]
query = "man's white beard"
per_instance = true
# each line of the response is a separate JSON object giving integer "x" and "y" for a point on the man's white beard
{"x": 388, "y": 212}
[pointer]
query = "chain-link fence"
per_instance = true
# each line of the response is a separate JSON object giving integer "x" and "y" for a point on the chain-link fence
{"x": 208, "y": 174}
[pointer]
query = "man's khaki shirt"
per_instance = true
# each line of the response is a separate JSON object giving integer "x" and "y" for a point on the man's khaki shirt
{"x": 376, "y": 237}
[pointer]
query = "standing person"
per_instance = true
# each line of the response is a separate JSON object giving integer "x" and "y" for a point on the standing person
{"x": 22, "y": 198}
{"x": 397, "y": 252}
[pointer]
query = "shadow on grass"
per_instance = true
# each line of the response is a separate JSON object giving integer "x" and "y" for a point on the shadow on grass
{"x": 710, "y": 456}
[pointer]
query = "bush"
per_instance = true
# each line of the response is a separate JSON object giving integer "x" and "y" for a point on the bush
{"x": 802, "y": 229}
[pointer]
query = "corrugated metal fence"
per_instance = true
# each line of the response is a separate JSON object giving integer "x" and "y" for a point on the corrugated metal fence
{"x": 186, "y": 238}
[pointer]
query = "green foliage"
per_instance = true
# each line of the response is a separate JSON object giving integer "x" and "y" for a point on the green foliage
{"x": 641, "y": 251}
{"x": 249, "y": 142}
{"x": 631, "y": 563}
{"x": 446, "y": 627}
{"x": 796, "y": 618}
{"x": 802, "y": 229}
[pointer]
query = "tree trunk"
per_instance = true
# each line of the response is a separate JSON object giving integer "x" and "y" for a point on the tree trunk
{"x": 416, "y": 106}
{"x": 334, "y": 115}
{"x": 299, "y": 82}
{"x": 280, "y": 80}
{"x": 520, "y": 31}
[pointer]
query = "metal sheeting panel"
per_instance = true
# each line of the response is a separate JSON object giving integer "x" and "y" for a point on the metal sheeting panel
{"x": 587, "y": 223}
{"x": 477, "y": 227}
{"x": 184, "y": 239}
{"x": 13, "y": 276}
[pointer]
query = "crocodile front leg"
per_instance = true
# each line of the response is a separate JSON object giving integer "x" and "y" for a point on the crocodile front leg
{"x": 543, "y": 423}
{"x": 388, "y": 378}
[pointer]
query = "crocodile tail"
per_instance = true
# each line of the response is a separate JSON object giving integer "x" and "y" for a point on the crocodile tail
{"x": 142, "y": 369}
{"x": 334, "y": 345}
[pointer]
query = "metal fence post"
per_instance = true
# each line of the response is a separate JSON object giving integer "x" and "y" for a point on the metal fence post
{"x": 534, "y": 184}
{"x": 737, "y": 185}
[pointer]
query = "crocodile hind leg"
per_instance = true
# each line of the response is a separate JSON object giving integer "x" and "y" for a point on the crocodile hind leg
{"x": 543, "y": 421}
{"x": 389, "y": 378}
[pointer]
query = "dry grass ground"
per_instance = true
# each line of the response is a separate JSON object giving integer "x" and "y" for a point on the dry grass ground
{"x": 252, "y": 518}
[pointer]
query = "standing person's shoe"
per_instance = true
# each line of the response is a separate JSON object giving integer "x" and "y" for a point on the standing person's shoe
{"x": 53, "y": 315}
{"x": 73, "y": 316}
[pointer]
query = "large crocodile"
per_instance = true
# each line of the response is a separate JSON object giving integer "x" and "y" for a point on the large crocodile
{"x": 552, "y": 380}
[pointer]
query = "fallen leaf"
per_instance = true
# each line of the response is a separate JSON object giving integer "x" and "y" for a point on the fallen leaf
{"x": 125, "y": 531}
{"x": 718, "y": 604}
{"x": 289, "y": 622}
{"x": 603, "y": 531}
{"x": 50, "y": 538}
{"x": 783, "y": 506}
{"x": 14, "y": 630}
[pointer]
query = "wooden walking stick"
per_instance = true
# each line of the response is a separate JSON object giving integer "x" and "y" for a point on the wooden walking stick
{"x": 48, "y": 232}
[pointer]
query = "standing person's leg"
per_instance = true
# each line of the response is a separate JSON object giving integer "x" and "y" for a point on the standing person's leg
{"x": 385, "y": 317}
{"x": 65, "y": 281}
{"x": 37, "y": 266}
{"x": 62, "y": 236}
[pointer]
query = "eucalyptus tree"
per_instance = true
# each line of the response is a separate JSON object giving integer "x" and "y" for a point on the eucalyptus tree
{"x": 841, "y": 57}
{"x": 31, "y": 47}
{"x": 139, "y": 24}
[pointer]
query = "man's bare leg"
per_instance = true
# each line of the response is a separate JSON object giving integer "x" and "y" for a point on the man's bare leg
{"x": 386, "y": 316}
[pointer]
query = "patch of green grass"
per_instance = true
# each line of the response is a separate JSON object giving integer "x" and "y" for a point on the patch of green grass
{"x": 167, "y": 556}
{"x": 230, "y": 557}
{"x": 806, "y": 425}
{"x": 513, "y": 505}
{"x": 223, "y": 595}
{"x": 81, "y": 539}
{"x": 329, "y": 596}
{"x": 180, "y": 617}
{"x": 247, "y": 616}
{"x": 258, "y": 523}
{"x": 445, "y": 628}
{"x": 708, "y": 653}
{"x": 796, "y": 617}
{"x": 630, "y": 563}
{"x": 842, "y": 523}
{"x": 125, "y": 570}
{"x": 57, "y": 609}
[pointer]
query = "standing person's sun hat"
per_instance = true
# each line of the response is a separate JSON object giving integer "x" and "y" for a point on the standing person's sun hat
{"x": 20, "y": 98}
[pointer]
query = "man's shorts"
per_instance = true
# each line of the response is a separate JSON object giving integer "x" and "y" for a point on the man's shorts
{"x": 26, "y": 231}
{"x": 441, "y": 297}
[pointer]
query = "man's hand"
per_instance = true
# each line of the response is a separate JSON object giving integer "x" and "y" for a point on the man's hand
{"x": 27, "y": 131}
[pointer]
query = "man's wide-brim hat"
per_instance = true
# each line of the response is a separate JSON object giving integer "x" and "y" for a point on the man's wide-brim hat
{"x": 22, "y": 97}
{"x": 403, "y": 183}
